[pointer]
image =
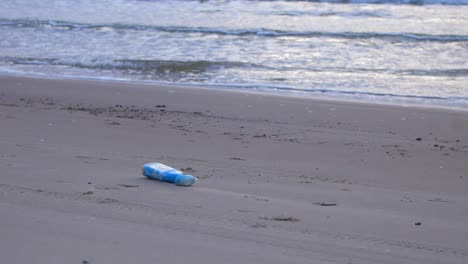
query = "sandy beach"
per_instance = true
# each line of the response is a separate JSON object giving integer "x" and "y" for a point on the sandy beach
{"x": 281, "y": 179}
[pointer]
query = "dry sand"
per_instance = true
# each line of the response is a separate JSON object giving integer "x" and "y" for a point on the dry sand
{"x": 282, "y": 180}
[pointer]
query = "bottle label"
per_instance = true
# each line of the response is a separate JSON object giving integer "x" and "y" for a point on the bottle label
{"x": 160, "y": 170}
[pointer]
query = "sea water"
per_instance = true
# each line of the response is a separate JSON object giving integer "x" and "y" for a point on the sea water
{"x": 379, "y": 50}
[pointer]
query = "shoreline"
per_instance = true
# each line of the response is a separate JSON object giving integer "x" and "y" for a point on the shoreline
{"x": 396, "y": 101}
{"x": 281, "y": 179}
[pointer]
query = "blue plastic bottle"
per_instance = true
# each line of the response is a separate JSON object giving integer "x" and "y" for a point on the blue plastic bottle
{"x": 165, "y": 173}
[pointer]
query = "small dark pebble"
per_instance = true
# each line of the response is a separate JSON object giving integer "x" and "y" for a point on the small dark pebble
{"x": 457, "y": 140}
{"x": 257, "y": 225}
{"x": 88, "y": 193}
{"x": 435, "y": 145}
{"x": 281, "y": 218}
{"x": 326, "y": 204}
{"x": 162, "y": 110}
{"x": 85, "y": 262}
{"x": 286, "y": 219}
{"x": 90, "y": 183}
{"x": 107, "y": 200}
{"x": 418, "y": 139}
{"x": 188, "y": 169}
{"x": 417, "y": 223}
{"x": 128, "y": 185}
{"x": 161, "y": 106}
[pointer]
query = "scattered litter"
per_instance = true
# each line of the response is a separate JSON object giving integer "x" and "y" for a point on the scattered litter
{"x": 161, "y": 106}
{"x": 161, "y": 172}
{"x": 417, "y": 223}
{"x": 418, "y": 139}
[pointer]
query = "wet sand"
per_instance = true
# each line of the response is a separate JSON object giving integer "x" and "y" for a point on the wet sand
{"x": 282, "y": 179}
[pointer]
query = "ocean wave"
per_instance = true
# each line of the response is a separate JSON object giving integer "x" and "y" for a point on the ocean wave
{"x": 437, "y": 72}
{"x": 396, "y": 2}
{"x": 142, "y": 66}
{"x": 361, "y": 93}
{"x": 167, "y": 72}
{"x": 458, "y": 72}
{"x": 457, "y": 101}
{"x": 341, "y": 93}
{"x": 263, "y": 32}
{"x": 333, "y": 13}
{"x": 200, "y": 66}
